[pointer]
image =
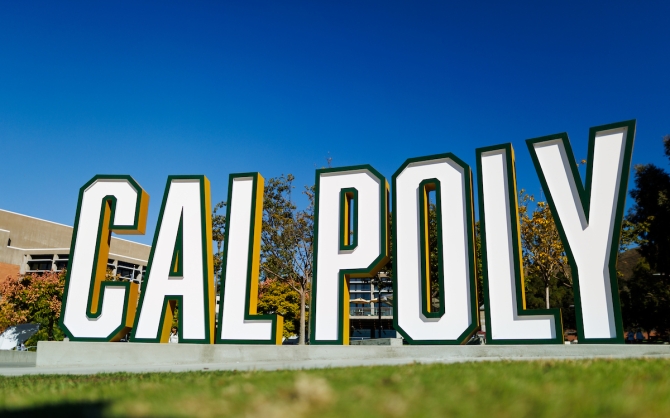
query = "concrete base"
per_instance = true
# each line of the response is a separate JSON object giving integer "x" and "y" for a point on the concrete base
{"x": 378, "y": 341}
{"x": 17, "y": 358}
{"x": 89, "y": 358}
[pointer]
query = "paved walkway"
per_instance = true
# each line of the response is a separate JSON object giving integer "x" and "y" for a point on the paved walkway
{"x": 265, "y": 365}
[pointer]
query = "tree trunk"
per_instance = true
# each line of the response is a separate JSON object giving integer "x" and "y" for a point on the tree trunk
{"x": 301, "y": 341}
{"x": 50, "y": 333}
{"x": 546, "y": 290}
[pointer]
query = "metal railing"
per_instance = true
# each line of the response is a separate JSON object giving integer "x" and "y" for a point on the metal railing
{"x": 386, "y": 311}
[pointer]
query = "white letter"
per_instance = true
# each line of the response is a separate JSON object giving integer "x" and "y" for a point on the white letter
{"x": 106, "y": 204}
{"x": 338, "y": 257}
{"x": 507, "y": 321}
{"x": 238, "y": 321}
{"x": 415, "y": 318}
{"x": 589, "y": 221}
{"x": 180, "y": 267}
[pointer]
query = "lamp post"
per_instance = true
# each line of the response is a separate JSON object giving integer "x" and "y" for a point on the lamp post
{"x": 381, "y": 282}
{"x": 379, "y": 313}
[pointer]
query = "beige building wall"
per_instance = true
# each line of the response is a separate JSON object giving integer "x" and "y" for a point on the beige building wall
{"x": 27, "y": 243}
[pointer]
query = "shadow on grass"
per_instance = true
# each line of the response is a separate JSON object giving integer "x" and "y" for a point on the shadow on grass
{"x": 74, "y": 410}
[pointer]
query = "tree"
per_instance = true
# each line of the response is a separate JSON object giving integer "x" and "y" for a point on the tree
{"x": 479, "y": 266}
{"x": 218, "y": 235}
{"x": 278, "y": 297}
{"x": 645, "y": 295}
{"x": 652, "y": 204}
{"x": 645, "y": 299}
{"x": 433, "y": 257}
{"x": 544, "y": 257}
{"x": 286, "y": 240}
{"x": 33, "y": 298}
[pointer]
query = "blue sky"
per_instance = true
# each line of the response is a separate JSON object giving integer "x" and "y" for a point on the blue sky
{"x": 152, "y": 89}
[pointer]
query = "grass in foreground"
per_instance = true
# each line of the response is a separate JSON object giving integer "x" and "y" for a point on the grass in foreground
{"x": 624, "y": 388}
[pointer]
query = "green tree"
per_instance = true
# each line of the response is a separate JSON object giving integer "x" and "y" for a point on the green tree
{"x": 434, "y": 259}
{"x": 433, "y": 256}
{"x": 651, "y": 194}
{"x": 278, "y": 297}
{"x": 286, "y": 241}
{"x": 645, "y": 299}
{"x": 478, "y": 263}
{"x": 218, "y": 235}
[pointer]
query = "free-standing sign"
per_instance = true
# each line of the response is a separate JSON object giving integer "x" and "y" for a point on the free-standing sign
{"x": 351, "y": 239}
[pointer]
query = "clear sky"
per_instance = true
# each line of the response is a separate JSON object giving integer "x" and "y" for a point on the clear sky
{"x": 157, "y": 88}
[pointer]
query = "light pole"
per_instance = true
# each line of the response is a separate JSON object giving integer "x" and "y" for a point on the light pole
{"x": 380, "y": 280}
{"x": 379, "y": 312}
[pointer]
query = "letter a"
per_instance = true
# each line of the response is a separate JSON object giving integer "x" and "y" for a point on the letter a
{"x": 180, "y": 269}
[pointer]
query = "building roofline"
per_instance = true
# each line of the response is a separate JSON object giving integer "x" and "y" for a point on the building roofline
{"x": 128, "y": 257}
{"x": 55, "y": 251}
{"x": 132, "y": 242}
{"x": 32, "y": 217}
{"x": 39, "y": 249}
{"x": 59, "y": 224}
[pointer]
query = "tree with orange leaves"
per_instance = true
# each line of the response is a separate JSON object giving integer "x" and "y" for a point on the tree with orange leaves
{"x": 544, "y": 257}
{"x": 33, "y": 298}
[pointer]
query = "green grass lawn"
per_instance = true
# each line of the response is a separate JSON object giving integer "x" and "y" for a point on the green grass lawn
{"x": 624, "y": 388}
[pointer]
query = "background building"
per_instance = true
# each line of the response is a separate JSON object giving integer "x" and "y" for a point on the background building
{"x": 365, "y": 306}
{"x": 32, "y": 245}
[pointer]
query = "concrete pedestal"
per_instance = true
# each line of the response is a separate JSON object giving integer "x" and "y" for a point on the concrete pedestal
{"x": 88, "y": 358}
{"x": 379, "y": 341}
{"x": 15, "y": 358}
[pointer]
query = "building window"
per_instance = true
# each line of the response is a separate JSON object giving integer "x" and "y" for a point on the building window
{"x": 359, "y": 287}
{"x": 39, "y": 263}
{"x": 129, "y": 271}
{"x": 61, "y": 261}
